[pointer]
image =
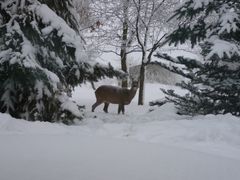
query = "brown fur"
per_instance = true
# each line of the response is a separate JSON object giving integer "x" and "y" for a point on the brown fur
{"x": 115, "y": 95}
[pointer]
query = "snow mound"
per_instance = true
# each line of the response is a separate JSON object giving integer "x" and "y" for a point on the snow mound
{"x": 10, "y": 125}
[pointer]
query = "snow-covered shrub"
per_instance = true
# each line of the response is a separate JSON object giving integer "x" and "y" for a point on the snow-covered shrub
{"x": 214, "y": 83}
{"x": 42, "y": 56}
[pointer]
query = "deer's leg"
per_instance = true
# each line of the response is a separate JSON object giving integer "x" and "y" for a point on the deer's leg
{"x": 105, "y": 109}
{"x": 119, "y": 108}
{"x": 123, "y": 110}
{"x": 95, "y": 105}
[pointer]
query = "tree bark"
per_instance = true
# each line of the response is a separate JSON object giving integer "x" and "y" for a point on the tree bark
{"x": 124, "y": 59}
{"x": 123, "y": 53}
{"x": 141, "y": 85}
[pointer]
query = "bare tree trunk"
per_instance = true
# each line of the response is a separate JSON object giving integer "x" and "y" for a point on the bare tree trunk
{"x": 124, "y": 68}
{"x": 123, "y": 52}
{"x": 141, "y": 85}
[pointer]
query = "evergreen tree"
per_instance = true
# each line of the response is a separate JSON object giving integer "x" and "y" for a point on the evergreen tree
{"x": 42, "y": 56}
{"x": 214, "y": 82}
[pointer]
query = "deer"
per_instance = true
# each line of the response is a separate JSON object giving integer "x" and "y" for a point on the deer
{"x": 115, "y": 95}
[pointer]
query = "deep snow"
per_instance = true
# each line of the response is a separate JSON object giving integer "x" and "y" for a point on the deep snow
{"x": 73, "y": 157}
{"x": 138, "y": 145}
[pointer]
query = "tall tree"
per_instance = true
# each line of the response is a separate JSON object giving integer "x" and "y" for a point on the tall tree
{"x": 115, "y": 35}
{"x": 151, "y": 27}
{"x": 41, "y": 57}
{"x": 214, "y": 83}
{"x": 125, "y": 41}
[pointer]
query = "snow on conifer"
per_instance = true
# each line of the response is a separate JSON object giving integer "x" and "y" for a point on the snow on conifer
{"x": 214, "y": 84}
{"x": 42, "y": 55}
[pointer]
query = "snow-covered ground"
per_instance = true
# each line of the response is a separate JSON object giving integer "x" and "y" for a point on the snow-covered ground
{"x": 140, "y": 145}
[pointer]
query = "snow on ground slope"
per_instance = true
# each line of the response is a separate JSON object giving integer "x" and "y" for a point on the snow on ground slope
{"x": 73, "y": 157}
{"x": 138, "y": 145}
{"x": 212, "y": 134}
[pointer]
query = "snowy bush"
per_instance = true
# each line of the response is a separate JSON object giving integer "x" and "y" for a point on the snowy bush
{"x": 42, "y": 56}
{"x": 214, "y": 83}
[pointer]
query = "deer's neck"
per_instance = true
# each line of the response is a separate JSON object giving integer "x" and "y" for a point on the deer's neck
{"x": 132, "y": 93}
